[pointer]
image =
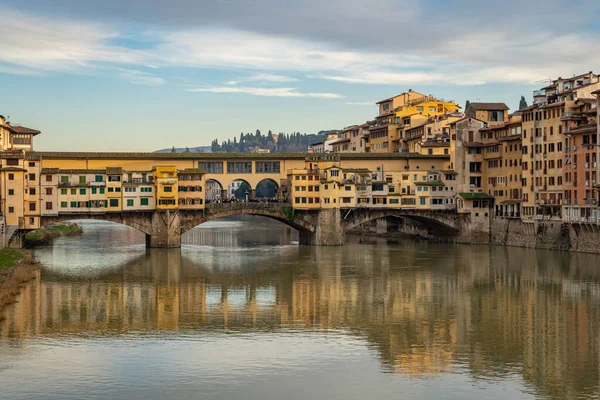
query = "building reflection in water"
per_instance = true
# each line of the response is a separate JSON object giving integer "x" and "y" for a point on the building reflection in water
{"x": 426, "y": 309}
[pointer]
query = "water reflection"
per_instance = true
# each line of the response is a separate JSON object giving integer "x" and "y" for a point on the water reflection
{"x": 527, "y": 317}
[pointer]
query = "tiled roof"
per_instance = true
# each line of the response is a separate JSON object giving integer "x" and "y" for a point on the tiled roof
{"x": 465, "y": 118}
{"x": 475, "y": 196}
{"x": 23, "y": 130}
{"x": 587, "y": 128}
{"x": 489, "y": 106}
{"x": 431, "y": 143}
{"x": 341, "y": 141}
{"x": 114, "y": 170}
{"x": 50, "y": 171}
{"x": 192, "y": 171}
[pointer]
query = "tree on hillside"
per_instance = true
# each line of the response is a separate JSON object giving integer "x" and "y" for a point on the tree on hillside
{"x": 187, "y": 149}
{"x": 467, "y": 105}
{"x": 522, "y": 103}
{"x": 173, "y": 150}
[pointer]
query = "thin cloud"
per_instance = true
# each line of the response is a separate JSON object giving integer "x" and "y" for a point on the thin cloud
{"x": 270, "y": 78}
{"x": 360, "y": 103}
{"x": 265, "y": 92}
{"x": 495, "y": 55}
{"x": 142, "y": 78}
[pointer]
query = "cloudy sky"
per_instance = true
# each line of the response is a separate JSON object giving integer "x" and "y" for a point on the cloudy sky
{"x": 147, "y": 74}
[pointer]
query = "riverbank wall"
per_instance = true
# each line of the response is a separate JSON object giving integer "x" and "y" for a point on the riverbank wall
{"x": 536, "y": 234}
{"x": 16, "y": 268}
{"x": 550, "y": 235}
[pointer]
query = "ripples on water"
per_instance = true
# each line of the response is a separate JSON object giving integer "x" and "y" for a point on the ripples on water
{"x": 242, "y": 311}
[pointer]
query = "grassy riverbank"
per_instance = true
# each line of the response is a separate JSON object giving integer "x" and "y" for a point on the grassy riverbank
{"x": 16, "y": 268}
{"x": 46, "y": 235}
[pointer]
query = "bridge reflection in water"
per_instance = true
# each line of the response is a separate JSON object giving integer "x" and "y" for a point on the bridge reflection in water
{"x": 426, "y": 309}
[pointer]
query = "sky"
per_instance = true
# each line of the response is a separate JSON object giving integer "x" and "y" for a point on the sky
{"x": 140, "y": 75}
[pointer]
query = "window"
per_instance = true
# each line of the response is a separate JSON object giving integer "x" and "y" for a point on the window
{"x": 98, "y": 178}
{"x": 32, "y": 177}
{"x": 82, "y": 180}
{"x": 32, "y": 207}
{"x": 63, "y": 204}
{"x": 63, "y": 191}
{"x": 49, "y": 191}
{"x": 118, "y": 189}
{"x": 73, "y": 204}
{"x": 94, "y": 190}
{"x": 101, "y": 190}
{"x": 114, "y": 202}
{"x": 130, "y": 189}
{"x": 129, "y": 202}
{"x": 64, "y": 179}
{"x": 168, "y": 189}
{"x": 12, "y": 161}
{"x": 11, "y": 210}
{"x": 144, "y": 201}
{"x": 82, "y": 191}
{"x": 111, "y": 190}
{"x": 32, "y": 191}
{"x": 31, "y": 163}
{"x": 73, "y": 191}
{"x": 239, "y": 167}
{"x": 48, "y": 205}
{"x": 213, "y": 167}
{"x": 264, "y": 167}
{"x": 335, "y": 173}
{"x": 146, "y": 190}
{"x": 11, "y": 177}
{"x": 11, "y": 192}
{"x": 48, "y": 178}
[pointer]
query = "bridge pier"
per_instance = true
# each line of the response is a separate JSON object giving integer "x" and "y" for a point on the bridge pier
{"x": 329, "y": 230}
{"x": 166, "y": 230}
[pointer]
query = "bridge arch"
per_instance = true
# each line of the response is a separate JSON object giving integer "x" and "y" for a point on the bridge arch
{"x": 262, "y": 188}
{"x": 275, "y": 211}
{"x": 441, "y": 223}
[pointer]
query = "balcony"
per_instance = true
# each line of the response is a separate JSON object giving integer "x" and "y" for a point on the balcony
{"x": 571, "y": 116}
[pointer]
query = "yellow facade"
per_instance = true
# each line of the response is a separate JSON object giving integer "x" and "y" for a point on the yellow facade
{"x": 191, "y": 189}
{"x": 165, "y": 186}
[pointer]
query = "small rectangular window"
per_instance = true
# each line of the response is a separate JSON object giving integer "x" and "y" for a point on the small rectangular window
{"x": 114, "y": 202}
{"x": 129, "y": 202}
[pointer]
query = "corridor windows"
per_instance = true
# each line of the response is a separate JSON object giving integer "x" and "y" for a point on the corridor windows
{"x": 212, "y": 167}
{"x": 266, "y": 167}
{"x": 239, "y": 167}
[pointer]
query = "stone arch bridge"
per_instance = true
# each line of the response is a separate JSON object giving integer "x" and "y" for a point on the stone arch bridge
{"x": 323, "y": 227}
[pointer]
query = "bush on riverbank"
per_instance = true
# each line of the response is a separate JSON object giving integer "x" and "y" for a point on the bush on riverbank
{"x": 46, "y": 235}
{"x": 16, "y": 268}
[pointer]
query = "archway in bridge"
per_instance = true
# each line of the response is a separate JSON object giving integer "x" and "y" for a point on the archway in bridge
{"x": 267, "y": 189}
{"x": 214, "y": 191}
{"x": 405, "y": 225}
{"x": 239, "y": 189}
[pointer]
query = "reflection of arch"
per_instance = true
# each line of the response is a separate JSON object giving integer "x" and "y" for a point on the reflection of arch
{"x": 262, "y": 189}
{"x": 141, "y": 221}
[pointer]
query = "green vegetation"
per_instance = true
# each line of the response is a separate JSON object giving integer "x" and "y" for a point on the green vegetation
{"x": 47, "y": 235}
{"x": 276, "y": 143}
{"x": 10, "y": 257}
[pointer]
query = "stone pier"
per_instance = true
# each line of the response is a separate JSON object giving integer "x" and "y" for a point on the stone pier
{"x": 166, "y": 230}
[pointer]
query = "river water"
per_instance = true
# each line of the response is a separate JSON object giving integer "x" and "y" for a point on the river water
{"x": 243, "y": 312}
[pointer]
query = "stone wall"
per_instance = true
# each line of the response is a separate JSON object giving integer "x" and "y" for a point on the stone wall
{"x": 551, "y": 235}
